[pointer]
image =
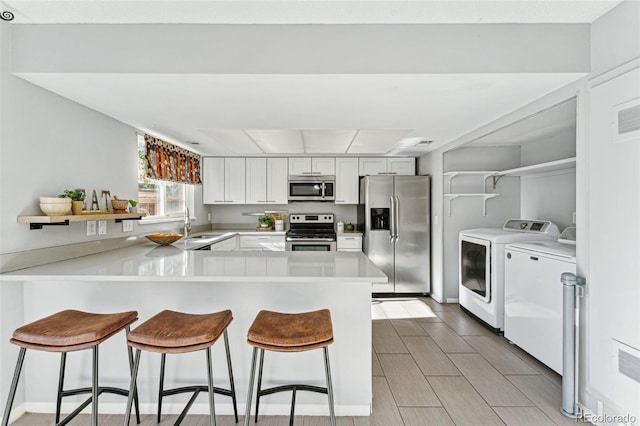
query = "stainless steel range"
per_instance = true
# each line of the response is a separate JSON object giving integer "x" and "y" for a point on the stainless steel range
{"x": 311, "y": 232}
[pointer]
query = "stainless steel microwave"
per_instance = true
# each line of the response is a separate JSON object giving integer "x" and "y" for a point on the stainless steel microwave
{"x": 312, "y": 188}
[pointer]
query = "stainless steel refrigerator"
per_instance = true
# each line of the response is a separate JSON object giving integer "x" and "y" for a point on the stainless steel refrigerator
{"x": 395, "y": 212}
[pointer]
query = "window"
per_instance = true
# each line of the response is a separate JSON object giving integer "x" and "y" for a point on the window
{"x": 159, "y": 198}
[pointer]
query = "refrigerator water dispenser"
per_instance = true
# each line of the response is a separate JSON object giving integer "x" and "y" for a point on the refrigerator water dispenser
{"x": 380, "y": 219}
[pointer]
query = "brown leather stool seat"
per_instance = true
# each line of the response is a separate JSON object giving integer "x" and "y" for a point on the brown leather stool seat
{"x": 284, "y": 332}
{"x": 68, "y": 331}
{"x": 170, "y": 332}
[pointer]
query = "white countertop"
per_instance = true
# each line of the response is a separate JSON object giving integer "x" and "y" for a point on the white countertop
{"x": 149, "y": 262}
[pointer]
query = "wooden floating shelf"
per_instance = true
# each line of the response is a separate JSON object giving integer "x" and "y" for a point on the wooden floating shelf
{"x": 37, "y": 222}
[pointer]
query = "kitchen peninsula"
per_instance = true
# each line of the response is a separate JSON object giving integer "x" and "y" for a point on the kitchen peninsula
{"x": 150, "y": 278}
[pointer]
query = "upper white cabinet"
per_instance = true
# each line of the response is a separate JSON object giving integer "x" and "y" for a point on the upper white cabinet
{"x": 347, "y": 181}
{"x": 266, "y": 181}
{"x": 387, "y": 166}
{"x": 223, "y": 180}
{"x": 312, "y": 166}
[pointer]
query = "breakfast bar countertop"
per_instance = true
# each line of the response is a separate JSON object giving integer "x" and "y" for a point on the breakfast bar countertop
{"x": 149, "y": 262}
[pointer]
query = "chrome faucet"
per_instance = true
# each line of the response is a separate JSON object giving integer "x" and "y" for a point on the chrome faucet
{"x": 187, "y": 222}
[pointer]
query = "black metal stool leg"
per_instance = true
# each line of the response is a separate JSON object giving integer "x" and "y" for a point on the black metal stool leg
{"x": 259, "y": 383}
{"x": 232, "y": 385}
{"x": 212, "y": 406}
{"x": 252, "y": 376}
{"x": 134, "y": 375}
{"x": 327, "y": 370}
{"x": 136, "y": 403}
{"x": 63, "y": 365}
{"x": 14, "y": 386}
{"x": 94, "y": 388}
{"x": 163, "y": 360}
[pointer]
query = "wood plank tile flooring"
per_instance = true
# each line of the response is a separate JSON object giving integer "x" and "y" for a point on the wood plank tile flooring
{"x": 432, "y": 365}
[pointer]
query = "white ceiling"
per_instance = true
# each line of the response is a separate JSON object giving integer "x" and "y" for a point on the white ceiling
{"x": 229, "y": 114}
{"x": 308, "y": 11}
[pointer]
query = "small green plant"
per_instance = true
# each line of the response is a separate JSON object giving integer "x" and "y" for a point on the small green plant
{"x": 75, "y": 194}
{"x": 133, "y": 203}
{"x": 265, "y": 221}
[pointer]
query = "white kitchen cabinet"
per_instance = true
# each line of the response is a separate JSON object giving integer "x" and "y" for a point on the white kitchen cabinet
{"x": 223, "y": 180}
{"x": 234, "y": 181}
{"x": 213, "y": 180}
{"x": 230, "y": 244}
{"x": 261, "y": 242}
{"x": 302, "y": 166}
{"x": 387, "y": 166}
{"x": 401, "y": 166}
{"x": 347, "y": 181}
{"x": 266, "y": 181}
{"x": 349, "y": 242}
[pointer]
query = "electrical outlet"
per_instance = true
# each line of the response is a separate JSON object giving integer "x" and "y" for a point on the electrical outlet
{"x": 208, "y": 217}
{"x": 102, "y": 227}
{"x": 127, "y": 226}
{"x": 91, "y": 227}
{"x": 574, "y": 218}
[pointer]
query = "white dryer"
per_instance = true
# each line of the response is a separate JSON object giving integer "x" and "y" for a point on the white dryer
{"x": 533, "y": 295}
{"x": 481, "y": 260}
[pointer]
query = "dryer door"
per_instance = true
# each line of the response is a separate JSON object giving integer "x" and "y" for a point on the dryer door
{"x": 475, "y": 267}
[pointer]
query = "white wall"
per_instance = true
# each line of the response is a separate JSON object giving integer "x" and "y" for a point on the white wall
{"x": 466, "y": 213}
{"x": 612, "y": 302}
{"x": 49, "y": 144}
{"x": 550, "y": 196}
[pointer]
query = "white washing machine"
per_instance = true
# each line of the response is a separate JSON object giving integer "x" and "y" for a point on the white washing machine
{"x": 533, "y": 295}
{"x": 481, "y": 256}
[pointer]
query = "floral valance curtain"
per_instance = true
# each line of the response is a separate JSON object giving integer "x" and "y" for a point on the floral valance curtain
{"x": 166, "y": 161}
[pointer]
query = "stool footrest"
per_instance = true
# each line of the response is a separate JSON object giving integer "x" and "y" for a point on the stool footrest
{"x": 83, "y": 405}
{"x": 294, "y": 388}
{"x": 202, "y": 388}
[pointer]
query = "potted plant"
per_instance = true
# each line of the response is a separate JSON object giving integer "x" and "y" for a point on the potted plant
{"x": 77, "y": 199}
{"x": 265, "y": 221}
{"x": 133, "y": 208}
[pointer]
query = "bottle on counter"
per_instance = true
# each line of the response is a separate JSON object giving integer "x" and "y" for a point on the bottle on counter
{"x": 340, "y": 227}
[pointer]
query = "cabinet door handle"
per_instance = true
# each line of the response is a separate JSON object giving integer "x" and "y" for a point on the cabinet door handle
{"x": 350, "y": 238}
{"x": 339, "y": 201}
{"x": 316, "y": 173}
{"x": 262, "y": 201}
{"x": 218, "y": 201}
{"x": 392, "y": 173}
{"x": 306, "y": 173}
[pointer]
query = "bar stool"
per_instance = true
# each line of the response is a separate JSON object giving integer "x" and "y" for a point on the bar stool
{"x": 69, "y": 331}
{"x": 172, "y": 332}
{"x": 282, "y": 332}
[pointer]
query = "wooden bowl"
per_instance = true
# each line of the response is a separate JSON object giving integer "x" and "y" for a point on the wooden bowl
{"x": 163, "y": 239}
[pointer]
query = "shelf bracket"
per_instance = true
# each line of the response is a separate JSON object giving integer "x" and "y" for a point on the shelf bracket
{"x": 496, "y": 178}
{"x": 33, "y": 226}
{"x": 128, "y": 218}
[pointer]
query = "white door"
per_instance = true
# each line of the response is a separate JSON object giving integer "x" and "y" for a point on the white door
{"x": 234, "y": 181}
{"x": 277, "y": 181}
{"x": 256, "y": 192}
{"x": 347, "y": 181}
{"x": 299, "y": 166}
{"x": 613, "y": 235}
{"x": 401, "y": 166}
{"x": 323, "y": 166}
{"x": 213, "y": 180}
{"x": 371, "y": 166}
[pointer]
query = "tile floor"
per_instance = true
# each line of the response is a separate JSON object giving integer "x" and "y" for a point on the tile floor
{"x": 432, "y": 365}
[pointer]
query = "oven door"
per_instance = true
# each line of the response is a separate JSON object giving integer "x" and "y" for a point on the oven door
{"x": 310, "y": 245}
{"x": 475, "y": 267}
{"x": 311, "y": 188}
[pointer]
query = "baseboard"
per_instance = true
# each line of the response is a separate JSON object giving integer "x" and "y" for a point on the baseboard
{"x": 198, "y": 408}
{"x": 17, "y": 412}
{"x": 452, "y": 300}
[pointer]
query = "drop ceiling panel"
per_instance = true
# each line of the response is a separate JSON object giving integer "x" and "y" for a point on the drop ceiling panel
{"x": 278, "y": 141}
{"x": 327, "y": 141}
{"x": 234, "y": 140}
{"x": 377, "y": 141}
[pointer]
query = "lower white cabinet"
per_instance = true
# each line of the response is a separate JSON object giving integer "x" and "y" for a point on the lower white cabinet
{"x": 261, "y": 242}
{"x": 230, "y": 244}
{"x": 349, "y": 242}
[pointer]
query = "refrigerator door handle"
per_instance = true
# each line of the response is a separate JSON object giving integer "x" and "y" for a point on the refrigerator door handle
{"x": 392, "y": 220}
{"x": 396, "y": 216}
